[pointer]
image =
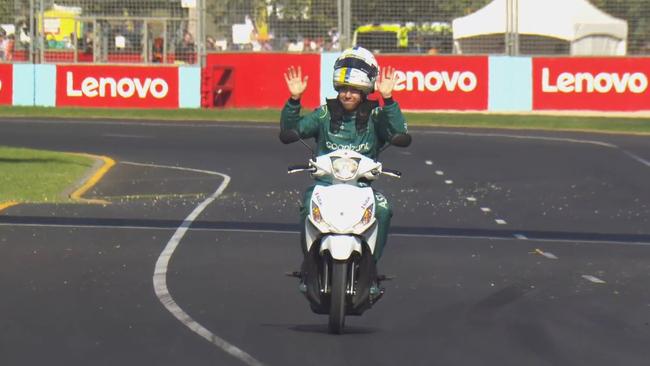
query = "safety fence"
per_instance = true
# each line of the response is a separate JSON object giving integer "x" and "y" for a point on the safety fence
{"x": 503, "y": 27}
{"x": 185, "y": 31}
{"x": 233, "y": 80}
{"x": 107, "y": 31}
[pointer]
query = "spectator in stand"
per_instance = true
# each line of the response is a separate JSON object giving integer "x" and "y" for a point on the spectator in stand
{"x": 334, "y": 44}
{"x": 157, "y": 50}
{"x": 185, "y": 51}
{"x": 295, "y": 45}
{"x": 210, "y": 43}
{"x": 9, "y": 46}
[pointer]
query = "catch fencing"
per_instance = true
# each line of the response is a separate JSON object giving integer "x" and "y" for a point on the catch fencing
{"x": 106, "y": 31}
{"x": 184, "y": 31}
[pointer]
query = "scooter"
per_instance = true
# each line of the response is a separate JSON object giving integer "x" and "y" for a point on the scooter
{"x": 338, "y": 275}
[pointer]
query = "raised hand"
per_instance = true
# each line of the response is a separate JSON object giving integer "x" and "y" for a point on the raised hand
{"x": 295, "y": 82}
{"x": 386, "y": 82}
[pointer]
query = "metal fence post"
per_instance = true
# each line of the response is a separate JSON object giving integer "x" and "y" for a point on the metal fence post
{"x": 202, "y": 34}
{"x": 32, "y": 15}
{"x": 346, "y": 32}
{"x": 41, "y": 34}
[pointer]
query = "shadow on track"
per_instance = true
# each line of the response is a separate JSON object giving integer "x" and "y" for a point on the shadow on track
{"x": 323, "y": 328}
{"x": 641, "y": 239}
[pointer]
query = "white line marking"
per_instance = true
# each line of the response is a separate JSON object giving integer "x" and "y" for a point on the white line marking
{"x": 293, "y": 232}
{"x": 428, "y": 162}
{"x": 637, "y": 158}
{"x": 471, "y": 199}
{"x": 440, "y": 172}
{"x": 117, "y": 135}
{"x": 449, "y": 181}
{"x": 551, "y": 241}
{"x": 127, "y": 227}
{"x": 500, "y": 221}
{"x": 176, "y": 168}
{"x": 523, "y": 137}
{"x": 486, "y": 209}
{"x": 160, "y": 273}
{"x": 544, "y": 138}
{"x": 593, "y": 279}
{"x": 171, "y": 123}
{"x": 520, "y": 236}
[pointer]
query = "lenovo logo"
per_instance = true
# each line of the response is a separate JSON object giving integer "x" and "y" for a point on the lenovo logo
{"x": 434, "y": 81}
{"x": 604, "y": 82}
{"x": 125, "y": 87}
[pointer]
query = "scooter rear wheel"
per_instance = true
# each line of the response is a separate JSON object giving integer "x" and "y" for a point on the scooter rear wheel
{"x": 337, "y": 299}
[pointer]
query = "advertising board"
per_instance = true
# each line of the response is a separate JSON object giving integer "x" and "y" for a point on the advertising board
{"x": 605, "y": 84}
{"x": 434, "y": 82}
{"x": 117, "y": 86}
{"x": 258, "y": 78}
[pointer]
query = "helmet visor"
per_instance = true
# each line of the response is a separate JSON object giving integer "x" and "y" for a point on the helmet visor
{"x": 355, "y": 63}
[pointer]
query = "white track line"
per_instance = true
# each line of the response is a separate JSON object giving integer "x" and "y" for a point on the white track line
{"x": 544, "y": 138}
{"x": 637, "y": 158}
{"x": 294, "y": 232}
{"x": 160, "y": 272}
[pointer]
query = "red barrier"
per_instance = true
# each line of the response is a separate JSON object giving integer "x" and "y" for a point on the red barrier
{"x": 6, "y": 84}
{"x": 434, "y": 82}
{"x": 605, "y": 84}
{"x": 117, "y": 86}
{"x": 259, "y": 78}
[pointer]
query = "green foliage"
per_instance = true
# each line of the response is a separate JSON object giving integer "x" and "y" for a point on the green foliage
{"x": 6, "y": 11}
{"x": 637, "y": 14}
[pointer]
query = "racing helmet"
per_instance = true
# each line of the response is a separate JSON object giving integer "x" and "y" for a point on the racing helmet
{"x": 356, "y": 67}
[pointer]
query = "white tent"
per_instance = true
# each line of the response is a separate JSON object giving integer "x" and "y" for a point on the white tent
{"x": 583, "y": 28}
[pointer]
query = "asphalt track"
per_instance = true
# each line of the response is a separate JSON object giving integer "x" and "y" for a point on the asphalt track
{"x": 510, "y": 248}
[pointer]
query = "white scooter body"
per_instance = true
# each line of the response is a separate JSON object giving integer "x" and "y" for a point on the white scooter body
{"x": 338, "y": 275}
{"x": 342, "y": 207}
{"x": 347, "y": 211}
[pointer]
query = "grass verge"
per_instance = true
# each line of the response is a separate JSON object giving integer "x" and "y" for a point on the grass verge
{"x": 39, "y": 176}
{"x": 605, "y": 123}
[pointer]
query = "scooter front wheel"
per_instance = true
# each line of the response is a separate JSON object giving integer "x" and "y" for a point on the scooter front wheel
{"x": 338, "y": 295}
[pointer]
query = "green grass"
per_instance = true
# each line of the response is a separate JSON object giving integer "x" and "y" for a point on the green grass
{"x": 39, "y": 176}
{"x": 515, "y": 121}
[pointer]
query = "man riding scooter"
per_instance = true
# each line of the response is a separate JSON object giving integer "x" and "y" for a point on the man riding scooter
{"x": 351, "y": 121}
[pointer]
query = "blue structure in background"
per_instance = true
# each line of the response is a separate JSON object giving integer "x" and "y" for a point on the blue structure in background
{"x": 189, "y": 85}
{"x": 23, "y": 85}
{"x": 34, "y": 85}
{"x": 510, "y": 84}
{"x": 327, "y": 60}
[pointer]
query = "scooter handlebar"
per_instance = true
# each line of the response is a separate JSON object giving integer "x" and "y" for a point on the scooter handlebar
{"x": 392, "y": 173}
{"x": 300, "y": 168}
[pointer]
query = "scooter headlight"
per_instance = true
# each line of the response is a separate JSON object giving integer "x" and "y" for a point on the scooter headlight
{"x": 344, "y": 168}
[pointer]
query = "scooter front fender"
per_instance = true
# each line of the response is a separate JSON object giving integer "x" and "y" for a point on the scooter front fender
{"x": 341, "y": 247}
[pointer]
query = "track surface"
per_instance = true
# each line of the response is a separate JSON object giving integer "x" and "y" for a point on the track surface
{"x": 500, "y": 242}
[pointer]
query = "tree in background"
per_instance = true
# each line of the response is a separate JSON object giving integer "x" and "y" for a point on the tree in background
{"x": 637, "y": 14}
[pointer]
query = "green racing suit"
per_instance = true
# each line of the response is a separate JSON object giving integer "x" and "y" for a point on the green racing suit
{"x": 334, "y": 129}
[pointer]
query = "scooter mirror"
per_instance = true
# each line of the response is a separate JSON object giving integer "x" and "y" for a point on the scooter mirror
{"x": 289, "y": 136}
{"x": 401, "y": 140}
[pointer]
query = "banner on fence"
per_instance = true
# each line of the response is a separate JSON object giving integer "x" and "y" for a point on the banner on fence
{"x": 258, "y": 79}
{"x": 430, "y": 82}
{"x": 6, "y": 84}
{"x": 117, "y": 86}
{"x": 605, "y": 84}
